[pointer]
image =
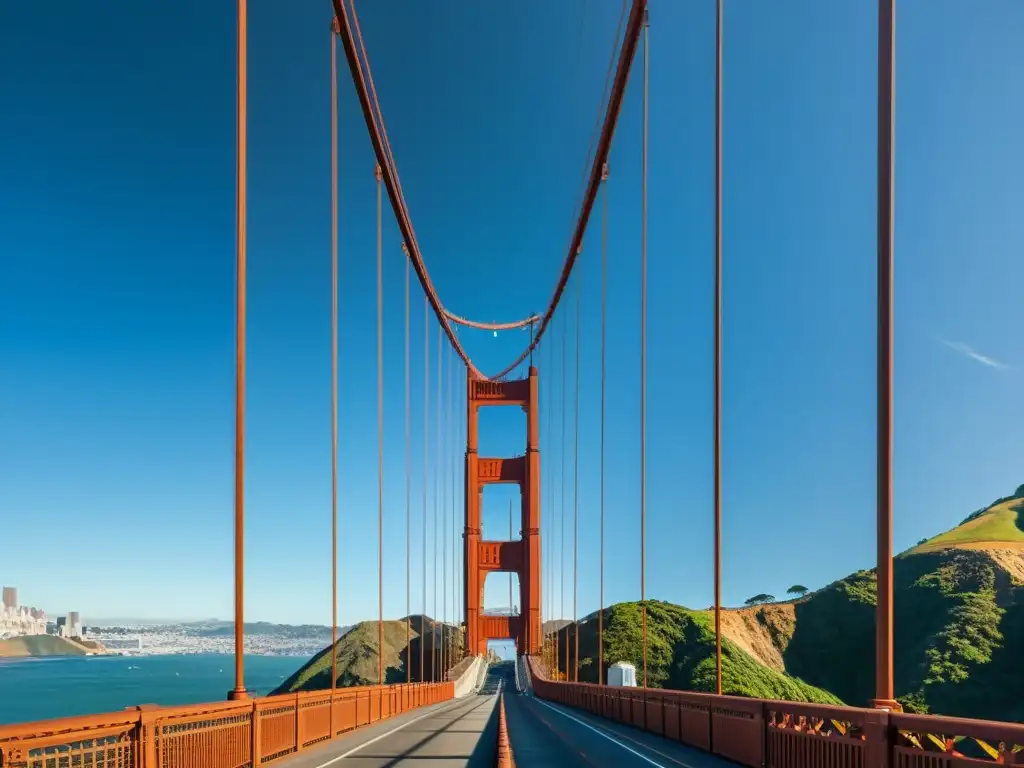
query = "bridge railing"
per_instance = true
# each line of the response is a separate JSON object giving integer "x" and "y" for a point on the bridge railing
{"x": 787, "y": 734}
{"x": 234, "y": 734}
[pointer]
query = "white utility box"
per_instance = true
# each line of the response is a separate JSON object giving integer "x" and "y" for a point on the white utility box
{"x": 622, "y": 674}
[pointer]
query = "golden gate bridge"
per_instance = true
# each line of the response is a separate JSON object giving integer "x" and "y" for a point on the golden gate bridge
{"x": 467, "y": 715}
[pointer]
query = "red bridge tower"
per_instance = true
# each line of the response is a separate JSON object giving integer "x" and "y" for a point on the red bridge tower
{"x": 520, "y": 557}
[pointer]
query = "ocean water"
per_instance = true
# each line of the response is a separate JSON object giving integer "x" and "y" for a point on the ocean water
{"x": 43, "y": 688}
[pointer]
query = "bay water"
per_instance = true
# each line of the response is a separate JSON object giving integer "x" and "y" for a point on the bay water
{"x": 44, "y": 688}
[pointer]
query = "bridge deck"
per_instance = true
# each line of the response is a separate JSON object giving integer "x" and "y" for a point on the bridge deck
{"x": 462, "y": 734}
{"x": 546, "y": 735}
{"x": 449, "y": 735}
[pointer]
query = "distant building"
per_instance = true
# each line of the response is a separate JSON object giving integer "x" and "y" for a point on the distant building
{"x": 622, "y": 674}
{"x": 74, "y": 624}
{"x": 19, "y": 620}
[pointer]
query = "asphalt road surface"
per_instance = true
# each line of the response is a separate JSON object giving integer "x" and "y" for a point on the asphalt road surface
{"x": 462, "y": 734}
{"x": 544, "y": 734}
{"x": 459, "y": 734}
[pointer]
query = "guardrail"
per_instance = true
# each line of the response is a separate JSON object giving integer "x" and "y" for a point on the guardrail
{"x": 234, "y": 734}
{"x": 786, "y": 734}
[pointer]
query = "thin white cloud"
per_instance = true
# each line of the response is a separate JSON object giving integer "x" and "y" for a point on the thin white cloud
{"x": 965, "y": 349}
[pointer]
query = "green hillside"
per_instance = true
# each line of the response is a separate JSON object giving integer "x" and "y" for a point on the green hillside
{"x": 959, "y": 623}
{"x": 959, "y": 631}
{"x": 1001, "y": 523}
{"x": 356, "y": 651}
{"x": 40, "y": 645}
{"x": 959, "y": 628}
{"x": 680, "y": 654}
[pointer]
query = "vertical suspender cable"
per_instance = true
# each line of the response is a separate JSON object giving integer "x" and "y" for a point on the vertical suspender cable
{"x": 240, "y": 210}
{"x": 884, "y": 693}
{"x": 426, "y": 476}
{"x": 604, "y": 305}
{"x": 575, "y": 497}
{"x": 451, "y": 492}
{"x": 718, "y": 351}
{"x": 408, "y": 490}
{"x": 443, "y": 456}
{"x": 643, "y": 363}
{"x": 510, "y": 601}
{"x": 561, "y": 511}
{"x": 434, "y": 660}
{"x": 334, "y": 362}
{"x": 380, "y": 436}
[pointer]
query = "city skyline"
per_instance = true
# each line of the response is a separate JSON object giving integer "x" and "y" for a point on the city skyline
{"x": 116, "y": 455}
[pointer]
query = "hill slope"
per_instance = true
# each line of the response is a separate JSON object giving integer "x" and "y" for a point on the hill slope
{"x": 356, "y": 652}
{"x": 42, "y": 645}
{"x": 959, "y": 623}
{"x": 999, "y": 526}
{"x": 680, "y": 654}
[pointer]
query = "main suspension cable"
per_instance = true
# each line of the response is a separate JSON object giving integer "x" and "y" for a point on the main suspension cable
{"x": 643, "y": 358}
{"x": 371, "y": 112}
{"x": 527, "y": 321}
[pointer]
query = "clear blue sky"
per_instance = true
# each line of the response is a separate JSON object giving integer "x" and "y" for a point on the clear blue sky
{"x": 117, "y": 264}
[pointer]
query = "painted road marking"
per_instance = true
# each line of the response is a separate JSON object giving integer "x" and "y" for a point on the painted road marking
{"x": 352, "y": 751}
{"x": 610, "y": 738}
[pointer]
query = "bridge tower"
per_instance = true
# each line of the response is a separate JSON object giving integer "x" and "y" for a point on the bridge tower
{"x": 520, "y": 557}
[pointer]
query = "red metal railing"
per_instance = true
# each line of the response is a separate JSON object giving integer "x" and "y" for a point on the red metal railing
{"x": 232, "y": 734}
{"x": 787, "y": 734}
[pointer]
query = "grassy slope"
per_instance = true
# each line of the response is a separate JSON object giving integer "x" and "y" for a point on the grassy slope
{"x": 999, "y": 525}
{"x": 40, "y": 645}
{"x": 357, "y": 656}
{"x": 681, "y": 654}
{"x": 959, "y": 623}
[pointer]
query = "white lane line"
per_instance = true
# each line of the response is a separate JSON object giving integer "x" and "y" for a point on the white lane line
{"x": 352, "y": 751}
{"x": 610, "y": 738}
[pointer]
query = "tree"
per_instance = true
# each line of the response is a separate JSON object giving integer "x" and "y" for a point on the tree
{"x": 797, "y": 589}
{"x": 759, "y": 599}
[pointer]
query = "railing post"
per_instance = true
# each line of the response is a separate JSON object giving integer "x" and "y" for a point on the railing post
{"x": 254, "y": 735}
{"x": 298, "y": 725}
{"x": 145, "y": 752}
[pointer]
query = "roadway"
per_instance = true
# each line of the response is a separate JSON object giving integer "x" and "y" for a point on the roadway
{"x": 462, "y": 734}
{"x": 546, "y": 735}
{"x": 454, "y": 734}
